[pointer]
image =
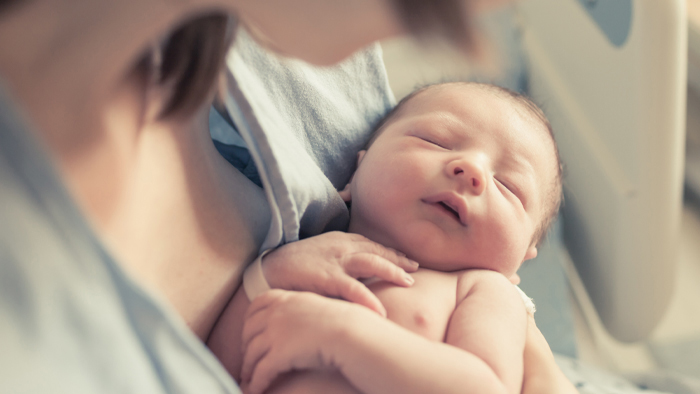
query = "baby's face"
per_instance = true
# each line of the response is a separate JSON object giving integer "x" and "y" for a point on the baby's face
{"x": 456, "y": 181}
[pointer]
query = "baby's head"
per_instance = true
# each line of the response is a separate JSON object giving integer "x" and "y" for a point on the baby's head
{"x": 459, "y": 175}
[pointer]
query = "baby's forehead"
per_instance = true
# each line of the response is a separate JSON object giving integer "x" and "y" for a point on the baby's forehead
{"x": 526, "y": 120}
{"x": 529, "y": 118}
{"x": 443, "y": 89}
{"x": 532, "y": 124}
{"x": 468, "y": 95}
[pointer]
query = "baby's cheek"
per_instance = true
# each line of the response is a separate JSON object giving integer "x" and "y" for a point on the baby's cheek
{"x": 504, "y": 247}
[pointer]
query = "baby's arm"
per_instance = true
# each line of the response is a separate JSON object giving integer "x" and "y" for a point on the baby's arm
{"x": 290, "y": 331}
{"x": 490, "y": 321}
{"x": 326, "y": 264}
{"x": 542, "y": 374}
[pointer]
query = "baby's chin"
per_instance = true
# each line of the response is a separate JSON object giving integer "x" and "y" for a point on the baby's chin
{"x": 432, "y": 262}
{"x": 436, "y": 258}
{"x": 446, "y": 265}
{"x": 431, "y": 251}
{"x": 427, "y": 251}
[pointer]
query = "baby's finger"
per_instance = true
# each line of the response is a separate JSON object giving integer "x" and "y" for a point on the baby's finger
{"x": 367, "y": 265}
{"x": 393, "y": 256}
{"x": 352, "y": 290}
{"x": 252, "y": 354}
{"x": 390, "y": 254}
{"x": 252, "y": 328}
{"x": 263, "y": 301}
{"x": 256, "y": 317}
{"x": 263, "y": 375}
{"x": 404, "y": 262}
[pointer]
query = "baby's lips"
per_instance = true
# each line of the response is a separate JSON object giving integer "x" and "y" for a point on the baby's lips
{"x": 453, "y": 200}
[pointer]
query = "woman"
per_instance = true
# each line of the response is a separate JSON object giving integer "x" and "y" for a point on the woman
{"x": 119, "y": 163}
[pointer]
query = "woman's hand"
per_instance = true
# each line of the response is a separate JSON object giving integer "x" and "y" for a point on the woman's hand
{"x": 330, "y": 264}
{"x": 287, "y": 331}
{"x": 542, "y": 374}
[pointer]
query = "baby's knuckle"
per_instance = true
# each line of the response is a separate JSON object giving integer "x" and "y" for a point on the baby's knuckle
{"x": 353, "y": 287}
{"x": 356, "y": 239}
{"x": 375, "y": 261}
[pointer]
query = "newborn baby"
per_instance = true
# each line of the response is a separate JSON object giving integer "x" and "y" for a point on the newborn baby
{"x": 464, "y": 179}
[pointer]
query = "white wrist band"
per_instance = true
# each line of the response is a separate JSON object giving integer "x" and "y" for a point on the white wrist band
{"x": 254, "y": 282}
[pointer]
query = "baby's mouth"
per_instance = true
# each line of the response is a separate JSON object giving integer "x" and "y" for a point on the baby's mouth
{"x": 450, "y": 210}
{"x": 450, "y": 203}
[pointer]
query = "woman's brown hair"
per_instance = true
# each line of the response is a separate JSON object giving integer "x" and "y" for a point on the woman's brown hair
{"x": 4, "y": 4}
{"x": 445, "y": 19}
{"x": 192, "y": 57}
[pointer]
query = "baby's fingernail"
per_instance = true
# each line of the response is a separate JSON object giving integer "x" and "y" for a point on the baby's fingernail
{"x": 382, "y": 311}
{"x": 409, "y": 279}
{"x": 414, "y": 264}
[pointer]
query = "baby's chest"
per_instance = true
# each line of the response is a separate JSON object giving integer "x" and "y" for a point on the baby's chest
{"x": 424, "y": 308}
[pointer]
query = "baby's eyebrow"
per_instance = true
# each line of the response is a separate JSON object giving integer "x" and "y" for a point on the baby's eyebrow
{"x": 449, "y": 125}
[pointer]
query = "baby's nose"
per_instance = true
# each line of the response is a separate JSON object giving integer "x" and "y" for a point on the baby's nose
{"x": 469, "y": 173}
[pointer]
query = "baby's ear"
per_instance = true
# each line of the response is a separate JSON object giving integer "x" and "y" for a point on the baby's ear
{"x": 531, "y": 253}
{"x": 360, "y": 155}
{"x": 515, "y": 279}
{"x": 345, "y": 194}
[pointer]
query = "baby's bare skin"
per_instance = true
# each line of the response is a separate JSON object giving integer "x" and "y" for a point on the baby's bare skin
{"x": 459, "y": 180}
{"x": 424, "y": 308}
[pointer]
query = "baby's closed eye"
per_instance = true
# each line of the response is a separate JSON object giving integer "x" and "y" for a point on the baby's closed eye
{"x": 510, "y": 188}
{"x": 433, "y": 141}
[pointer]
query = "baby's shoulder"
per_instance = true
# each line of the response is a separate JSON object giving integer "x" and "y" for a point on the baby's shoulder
{"x": 482, "y": 281}
{"x": 476, "y": 276}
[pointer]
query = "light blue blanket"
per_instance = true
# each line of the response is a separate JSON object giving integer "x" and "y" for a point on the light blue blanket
{"x": 303, "y": 126}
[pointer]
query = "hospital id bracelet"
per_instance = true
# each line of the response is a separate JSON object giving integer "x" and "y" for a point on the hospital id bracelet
{"x": 254, "y": 282}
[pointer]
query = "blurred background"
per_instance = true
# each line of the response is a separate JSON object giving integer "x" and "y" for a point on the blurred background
{"x": 674, "y": 345}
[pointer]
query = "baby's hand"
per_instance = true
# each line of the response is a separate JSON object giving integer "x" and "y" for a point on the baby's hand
{"x": 330, "y": 264}
{"x": 285, "y": 331}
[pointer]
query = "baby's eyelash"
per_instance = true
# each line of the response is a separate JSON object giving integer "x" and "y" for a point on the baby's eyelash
{"x": 512, "y": 190}
{"x": 432, "y": 142}
{"x": 509, "y": 188}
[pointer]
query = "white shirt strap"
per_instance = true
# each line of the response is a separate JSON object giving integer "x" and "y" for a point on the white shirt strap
{"x": 529, "y": 304}
{"x": 254, "y": 282}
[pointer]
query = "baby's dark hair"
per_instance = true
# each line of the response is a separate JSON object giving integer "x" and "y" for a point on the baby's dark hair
{"x": 553, "y": 197}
